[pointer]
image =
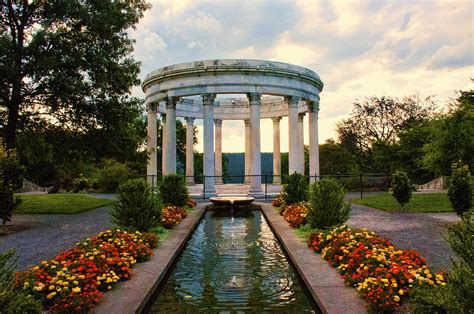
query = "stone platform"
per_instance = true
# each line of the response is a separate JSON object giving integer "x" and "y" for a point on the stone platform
{"x": 233, "y": 189}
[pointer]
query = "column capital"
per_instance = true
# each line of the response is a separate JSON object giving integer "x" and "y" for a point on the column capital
{"x": 276, "y": 119}
{"x": 301, "y": 116}
{"x": 247, "y": 122}
{"x": 292, "y": 101}
{"x": 208, "y": 99}
{"x": 171, "y": 102}
{"x": 218, "y": 122}
{"x": 152, "y": 106}
{"x": 254, "y": 98}
{"x": 312, "y": 106}
{"x": 189, "y": 120}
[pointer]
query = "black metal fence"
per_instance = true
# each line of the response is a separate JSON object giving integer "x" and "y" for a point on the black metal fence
{"x": 362, "y": 183}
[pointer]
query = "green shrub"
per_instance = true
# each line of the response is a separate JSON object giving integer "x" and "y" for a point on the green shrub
{"x": 81, "y": 184}
{"x": 326, "y": 204}
{"x": 9, "y": 176}
{"x": 296, "y": 189}
{"x": 173, "y": 190}
{"x": 457, "y": 296}
{"x": 137, "y": 208}
{"x": 12, "y": 298}
{"x": 402, "y": 188}
{"x": 460, "y": 188}
{"x": 112, "y": 175}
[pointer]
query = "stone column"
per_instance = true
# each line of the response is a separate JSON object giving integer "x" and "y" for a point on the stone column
{"x": 190, "y": 151}
{"x": 313, "y": 109}
{"x": 248, "y": 150}
{"x": 276, "y": 150}
{"x": 301, "y": 142}
{"x": 208, "y": 138}
{"x": 163, "y": 143}
{"x": 293, "y": 141}
{"x": 218, "y": 149}
{"x": 255, "y": 161}
{"x": 169, "y": 139}
{"x": 152, "y": 167}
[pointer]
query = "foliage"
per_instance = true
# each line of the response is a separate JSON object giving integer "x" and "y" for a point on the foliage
{"x": 336, "y": 159}
{"x": 12, "y": 298}
{"x": 326, "y": 204}
{"x": 137, "y": 207}
{"x": 81, "y": 184}
{"x": 173, "y": 190}
{"x": 402, "y": 188}
{"x": 10, "y": 171}
{"x": 460, "y": 188}
{"x": 382, "y": 275}
{"x": 295, "y": 214}
{"x": 278, "y": 201}
{"x": 452, "y": 136}
{"x": 112, "y": 175}
{"x": 60, "y": 203}
{"x": 296, "y": 189}
{"x": 69, "y": 59}
{"x": 457, "y": 296}
{"x": 191, "y": 203}
{"x": 75, "y": 280}
{"x": 419, "y": 203}
{"x": 172, "y": 215}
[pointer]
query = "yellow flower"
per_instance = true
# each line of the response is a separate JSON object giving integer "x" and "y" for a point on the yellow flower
{"x": 76, "y": 290}
{"x": 401, "y": 292}
{"x": 51, "y": 295}
{"x": 328, "y": 237}
{"x": 396, "y": 298}
{"x": 51, "y": 287}
{"x": 109, "y": 287}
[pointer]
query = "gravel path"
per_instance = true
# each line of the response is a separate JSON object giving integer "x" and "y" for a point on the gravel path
{"x": 48, "y": 235}
{"x": 421, "y": 232}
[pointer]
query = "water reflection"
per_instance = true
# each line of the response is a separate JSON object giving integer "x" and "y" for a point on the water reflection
{"x": 233, "y": 262}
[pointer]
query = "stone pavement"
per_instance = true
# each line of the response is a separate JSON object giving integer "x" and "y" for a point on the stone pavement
{"x": 422, "y": 232}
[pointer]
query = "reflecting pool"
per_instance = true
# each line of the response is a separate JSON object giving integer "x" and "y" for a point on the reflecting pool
{"x": 233, "y": 263}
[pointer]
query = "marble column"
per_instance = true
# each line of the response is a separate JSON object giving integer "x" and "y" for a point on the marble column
{"x": 248, "y": 150}
{"x": 169, "y": 139}
{"x": 152, "y": 167}
{"x": 255, "y": 161}
{"x": 276, "y": 150}
{"x": 163, "y": 143}
{"x": 313, "y": 110}
{"x": 301, "y": 142}
{"x": 218, "y": 149}
{"x": 190, "y": 151}
{"x": 208, "y": 138}
{"x": 293, "y": 156}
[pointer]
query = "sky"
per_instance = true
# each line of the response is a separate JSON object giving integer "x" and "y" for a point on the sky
{"x": 359, "y": 49}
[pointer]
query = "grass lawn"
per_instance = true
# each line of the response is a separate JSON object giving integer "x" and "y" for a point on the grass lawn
{"x": 60, "y": 203}
{"x": 419, "y": 203}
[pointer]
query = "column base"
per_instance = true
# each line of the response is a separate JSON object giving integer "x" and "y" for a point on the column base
{"x": 277, "y": 180}
{"x": 256, "y": 194}
{"x": 209, "y": 194}
{"x": 218, "y": 180}
{"x": 190, "y": 181}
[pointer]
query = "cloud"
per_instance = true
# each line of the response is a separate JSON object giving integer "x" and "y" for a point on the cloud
{"x": 359, "y": 48}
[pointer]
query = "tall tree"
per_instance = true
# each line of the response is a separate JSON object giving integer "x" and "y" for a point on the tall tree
{"x": 67, "y": 60}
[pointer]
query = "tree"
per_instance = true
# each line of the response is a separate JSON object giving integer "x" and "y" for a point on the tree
{"x": 452, "y": 136}
{"x": 335, "y": 159}
{"x": 10, "y": 177}
{"x": 66, "y": 62}
{"x": 402, "y": 188}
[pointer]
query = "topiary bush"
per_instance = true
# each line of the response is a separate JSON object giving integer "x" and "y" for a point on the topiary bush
{"x": 402, "y": 188}
{"x": 138, "y": 207}
{"x": 326, "y": 204}
{"x": 12, "y": 297}
{"x": 112, "y": 175}
{"x": 173, "y": 190}
{"x": 460, "y": 188}
{"x": 296, "y": 189}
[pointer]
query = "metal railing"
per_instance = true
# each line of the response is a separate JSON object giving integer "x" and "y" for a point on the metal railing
{"x": 361, "y": 183}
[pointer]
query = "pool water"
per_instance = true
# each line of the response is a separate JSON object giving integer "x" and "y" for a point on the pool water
{"x": 233, "y": 263}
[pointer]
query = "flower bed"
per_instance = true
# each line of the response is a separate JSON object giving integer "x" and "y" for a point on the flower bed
{"x": 278, "y": 201}
{"x": 172, "y": 215}
{"x": 191, "y": 203}
{"x": 382, "y": 275}
{"x": 75, "y": 280}
{"x": 295, "y": 214}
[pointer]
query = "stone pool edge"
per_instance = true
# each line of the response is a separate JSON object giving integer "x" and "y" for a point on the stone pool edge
{"x": 322, "y": 281}
{"x": 133, "y": 295}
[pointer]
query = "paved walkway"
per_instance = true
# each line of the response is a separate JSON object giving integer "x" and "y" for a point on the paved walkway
{"x": 421, "y": 232}
{"x": 48, "y": 235}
